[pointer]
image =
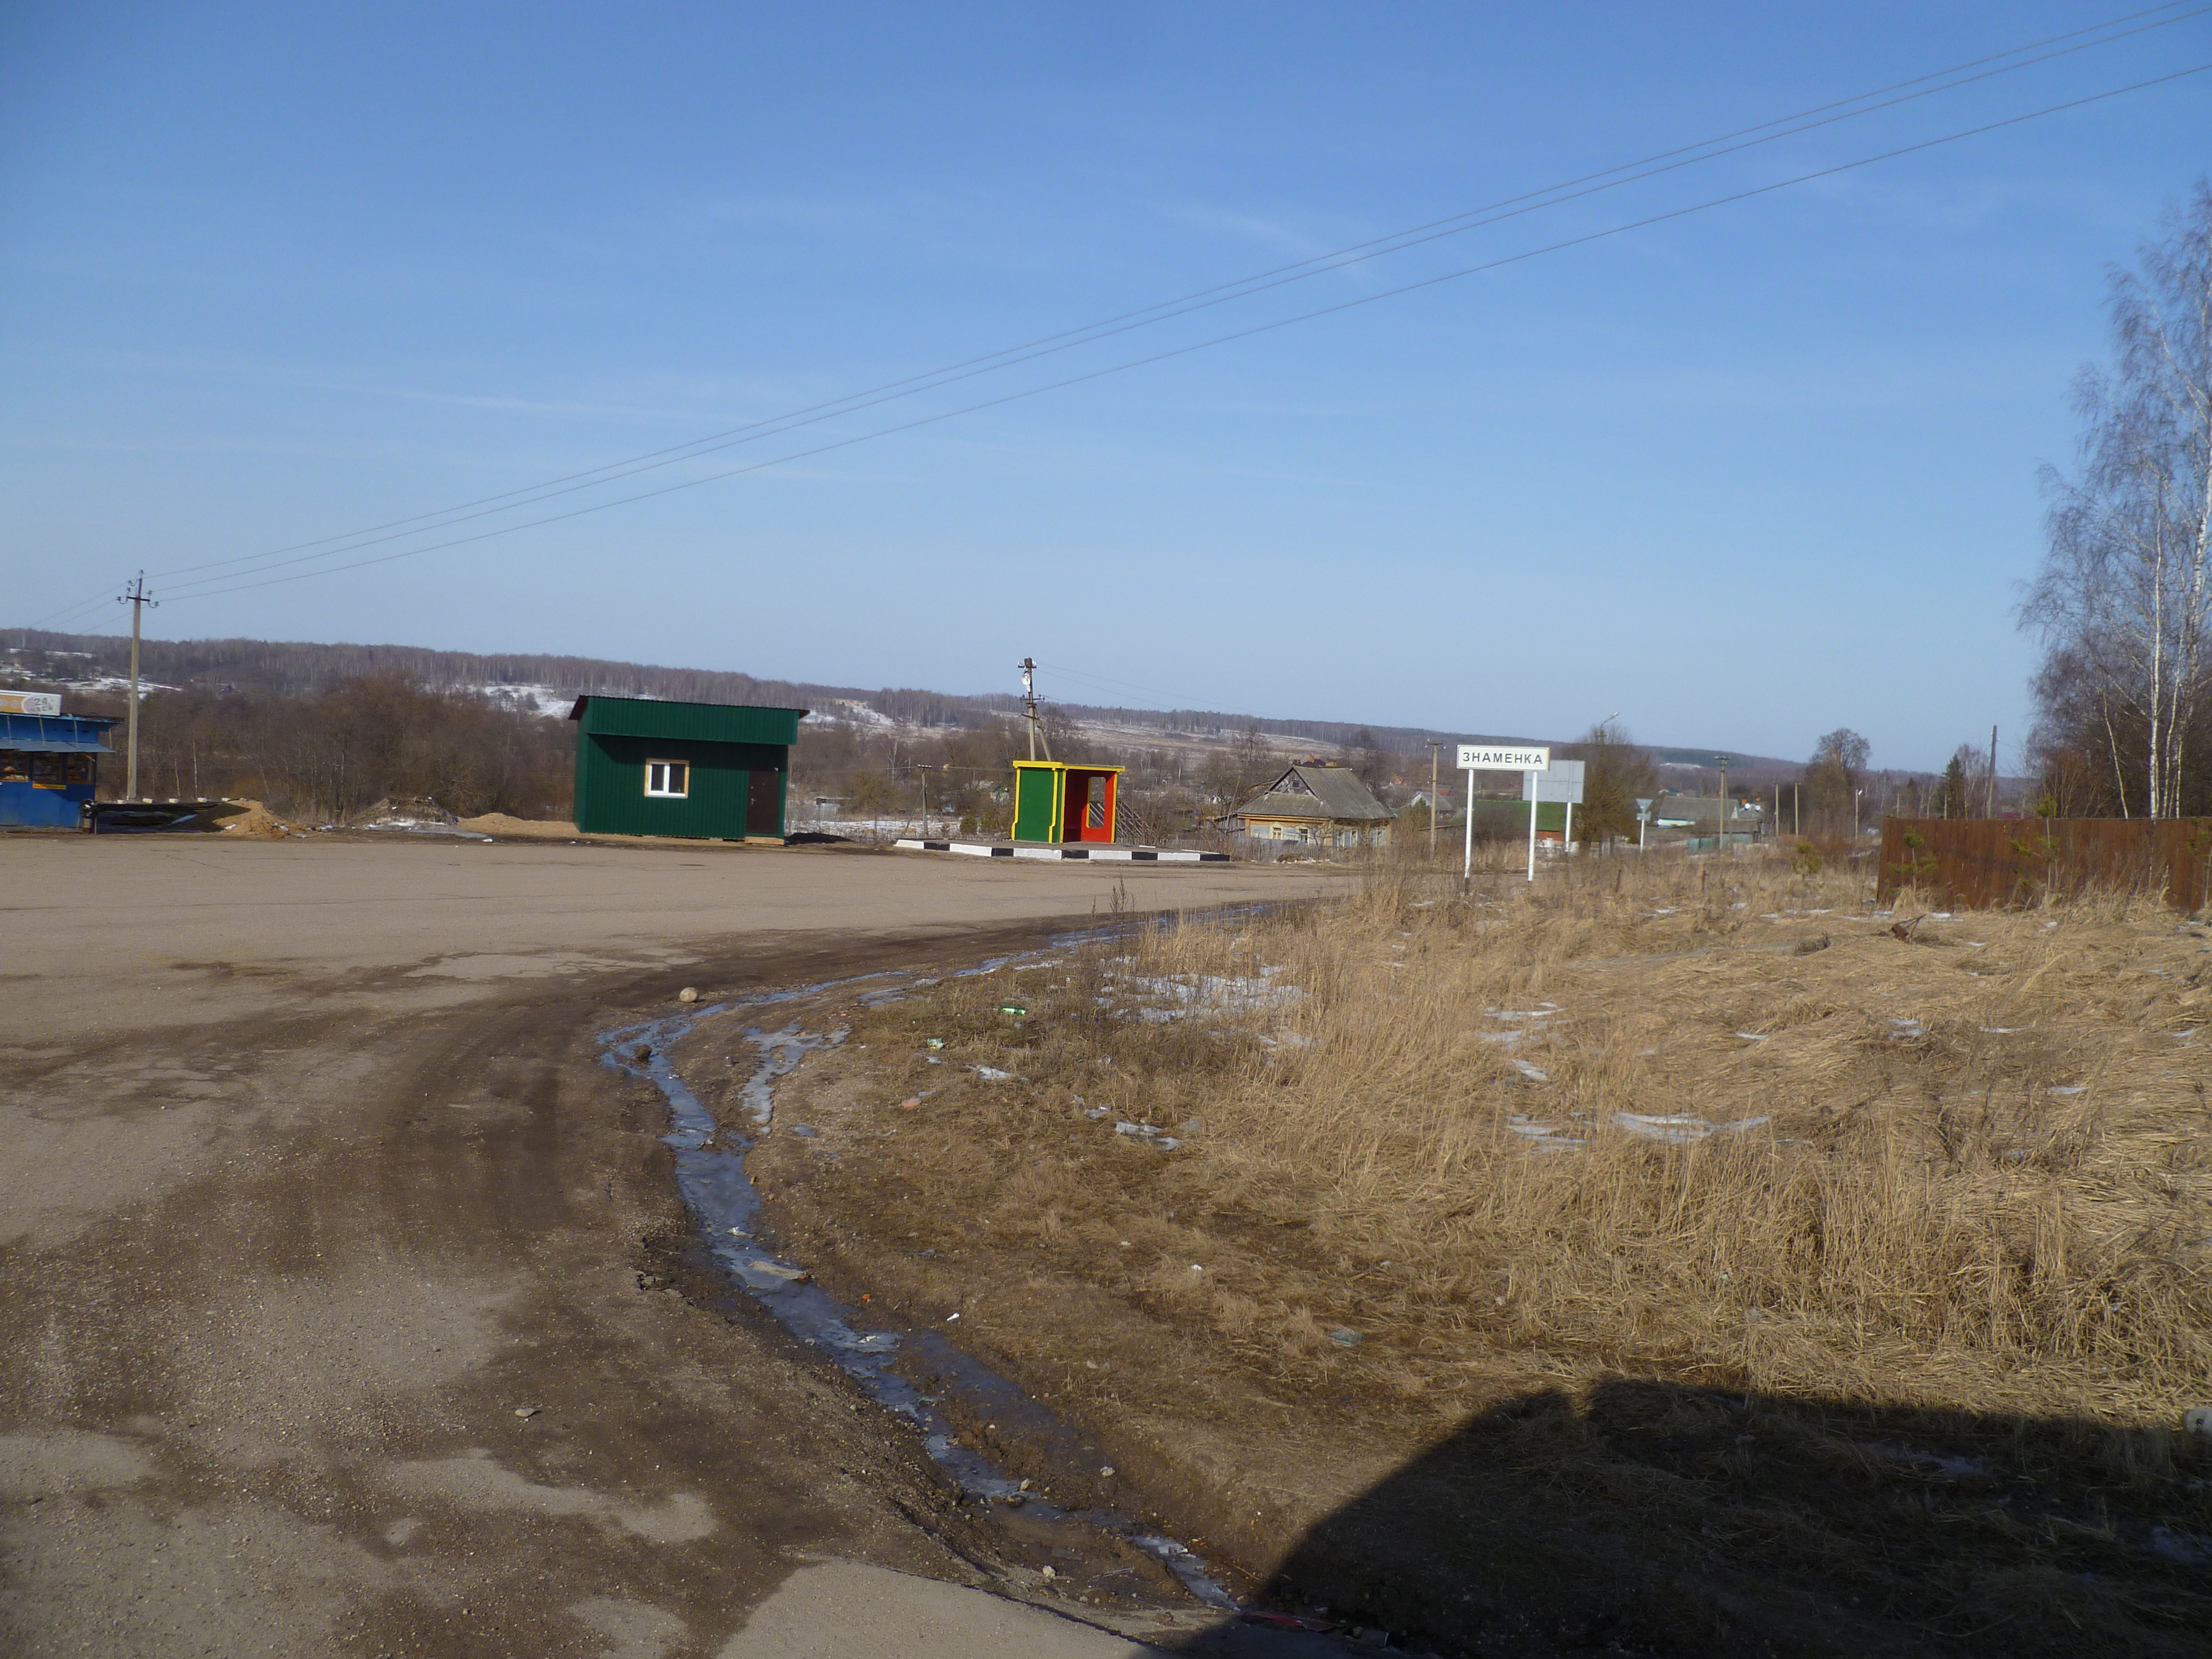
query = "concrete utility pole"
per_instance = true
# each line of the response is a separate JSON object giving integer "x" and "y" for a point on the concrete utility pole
{"x": 1434, "y": 746}
{"x": 137, "y": 599}
{"x": 1723, "y": 759}
{"x": 1029, "y": 704}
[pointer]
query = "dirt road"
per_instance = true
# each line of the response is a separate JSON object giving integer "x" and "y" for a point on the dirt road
{"x": 325, "y": 1317}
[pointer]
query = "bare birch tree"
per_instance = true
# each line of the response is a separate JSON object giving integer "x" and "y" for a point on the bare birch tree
{"x": 2124, "y": 600}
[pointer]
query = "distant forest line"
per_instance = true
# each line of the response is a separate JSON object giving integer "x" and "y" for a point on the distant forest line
{"x": 295, "y": 668}
{"x": 321, "y": 732}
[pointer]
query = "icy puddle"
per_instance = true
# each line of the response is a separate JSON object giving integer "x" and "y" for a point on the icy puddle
{"x": 711, "y": 1175}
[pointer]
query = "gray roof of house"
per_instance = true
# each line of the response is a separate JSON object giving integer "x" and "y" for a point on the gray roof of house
{"x": 1316, "y": 792}
{"x": 1704, "y": 806}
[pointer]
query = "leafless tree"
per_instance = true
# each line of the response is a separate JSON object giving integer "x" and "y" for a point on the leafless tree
{"x": 1616, "y": 771}
{"x": 2124, "y": 600}
{"x": 1833, "y": 776}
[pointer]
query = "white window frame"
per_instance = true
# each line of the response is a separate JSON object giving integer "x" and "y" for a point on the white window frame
{"x": 653, "y": 768}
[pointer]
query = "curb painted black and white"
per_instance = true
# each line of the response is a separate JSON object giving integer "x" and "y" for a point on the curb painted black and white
{"x": 1126, "y": 855}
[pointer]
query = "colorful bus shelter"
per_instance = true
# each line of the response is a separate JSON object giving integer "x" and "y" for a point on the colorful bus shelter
{"x": 1057, "y": 803}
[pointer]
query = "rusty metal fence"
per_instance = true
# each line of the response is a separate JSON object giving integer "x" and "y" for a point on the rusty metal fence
{"x": 1977, "y": 863}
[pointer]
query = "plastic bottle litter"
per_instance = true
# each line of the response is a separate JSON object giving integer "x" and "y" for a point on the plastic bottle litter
{"x": 937, "y": 1042}
{"x": 1012, "y": 1008}
{"x": 1344, "y": 1337}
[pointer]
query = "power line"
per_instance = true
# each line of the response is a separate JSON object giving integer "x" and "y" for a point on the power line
{"x": 1398, "y": 241}
{"x": 79, "y": 609}
{"x": 210, "y": 588}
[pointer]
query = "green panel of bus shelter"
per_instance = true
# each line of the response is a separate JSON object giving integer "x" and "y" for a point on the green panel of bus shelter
{"x": 1037, "y": 802}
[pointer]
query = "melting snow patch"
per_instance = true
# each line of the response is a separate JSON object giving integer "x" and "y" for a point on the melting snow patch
{"x": 2069, "y": 1089}
{"x": 1546, "y": 1137}
{"x": 1148, "y": 1135}
{"x": 2185, "y": 1546}
{"x": 1531, "y": 1072}
{"x": 1752, "y": 1036}
{"x": 1679, "y": 1131}
{"x": 992, "y": 1074}
{"x": 1190, "y": 993}
{"x": 1947, "y": 1468}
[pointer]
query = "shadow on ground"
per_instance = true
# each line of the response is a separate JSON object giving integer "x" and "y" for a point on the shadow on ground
{"x": 1661, "y": 1520}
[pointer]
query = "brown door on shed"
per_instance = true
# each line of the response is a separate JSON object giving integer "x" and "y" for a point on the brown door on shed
{"x": 763, "y": 802}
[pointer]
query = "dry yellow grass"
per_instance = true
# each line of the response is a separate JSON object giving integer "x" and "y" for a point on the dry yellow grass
{"x": 1970, "y": 1166}
{"x": 1947, "y": 1191}
{"x": 1981, "y": 1173}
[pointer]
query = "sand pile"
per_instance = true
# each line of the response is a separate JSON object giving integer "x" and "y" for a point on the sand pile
{"x": 251, "y": 819}
{"x": 499, "y": 823}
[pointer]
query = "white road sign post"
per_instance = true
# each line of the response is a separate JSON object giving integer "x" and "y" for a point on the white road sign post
{"x": 1643, "y": 816}
{"x": 1502, "y": 757}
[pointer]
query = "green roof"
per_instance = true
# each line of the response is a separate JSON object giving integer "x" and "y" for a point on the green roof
{"x": 702, "y": 722}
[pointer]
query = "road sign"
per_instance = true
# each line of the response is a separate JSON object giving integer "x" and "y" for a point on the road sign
{"x": 1644, "y": 805}
{"x": 1491, "y": 758}
{"x": 1563, "y": 782}
{"x": 1530, "y": 759}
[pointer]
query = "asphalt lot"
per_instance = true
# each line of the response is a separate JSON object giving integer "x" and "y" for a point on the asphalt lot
{"x": 310, "y": 1186}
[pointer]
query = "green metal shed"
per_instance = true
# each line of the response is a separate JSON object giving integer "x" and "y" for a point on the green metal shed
{"x": 712, "y": 771}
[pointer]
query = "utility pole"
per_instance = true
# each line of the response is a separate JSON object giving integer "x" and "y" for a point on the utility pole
{"x": 1723, "y": 759}
{"x": 135, "y": 597}
{"x": 1029, "y": 705}
{"x": 1434, "y": 746}
{"x": 1993, "y": 771}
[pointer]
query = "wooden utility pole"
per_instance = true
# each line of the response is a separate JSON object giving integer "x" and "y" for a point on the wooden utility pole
{"x": 137, "y": 599}
{"x": 1434, "y": 746}
{"x": 1993, "y": 771}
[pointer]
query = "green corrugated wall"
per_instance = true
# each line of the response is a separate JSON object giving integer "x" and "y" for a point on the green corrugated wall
{"x": 610, "y": 798}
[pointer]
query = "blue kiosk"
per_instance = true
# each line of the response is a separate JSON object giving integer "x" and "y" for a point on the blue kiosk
{"x": 49, "y": 761}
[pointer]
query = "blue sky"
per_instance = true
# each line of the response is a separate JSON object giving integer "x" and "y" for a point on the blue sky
{"x": 273, "y": 274}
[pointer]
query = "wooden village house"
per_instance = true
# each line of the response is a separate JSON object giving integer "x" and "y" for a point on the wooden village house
{"x": 1318, "y": 806}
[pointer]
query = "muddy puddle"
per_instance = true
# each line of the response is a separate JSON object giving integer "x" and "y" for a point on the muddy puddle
{"x": 911, "y": 1373}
